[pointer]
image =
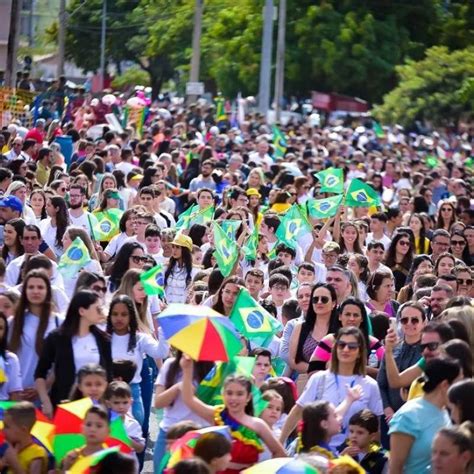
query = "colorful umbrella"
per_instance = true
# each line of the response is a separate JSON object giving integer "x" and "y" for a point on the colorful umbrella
{"x": 68, "y": 421}
{"x": 84, "y": 465}
{"x": 183, "y": 448}
{"x": 200, "y": 332}
{"x": 281, "y": 466}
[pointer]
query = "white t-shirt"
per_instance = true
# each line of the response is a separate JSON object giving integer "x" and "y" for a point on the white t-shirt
{"x": 26, "y": 354}
{"x": 178, "y": 411}
{"x": 328, "y": 386}
{"x": 86, "y": 220}
{"x": 146, "y": 345}
{"x": 70, "y": 282}
{"x": 12, "y": 272}
{"x": 385, "y": 240}
{"x": 85, "y": 351}
{"x": 12, "y": 371}
{"x": 48, "y": 232}
{"x": 125, "y": 167}
{"x": 116, "y": 243}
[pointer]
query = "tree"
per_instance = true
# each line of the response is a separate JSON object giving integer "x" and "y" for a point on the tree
{"x": 431, "y": 89}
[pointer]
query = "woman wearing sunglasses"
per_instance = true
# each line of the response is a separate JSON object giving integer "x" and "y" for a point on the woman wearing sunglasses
{"x": 459, "y": 248}
{"x": 130, "y": 255}
{"x": 352, "y": 313}
{"x": 446, "y": 216}
{"x": 400, "y": 257}
{"x": 345, "y": 384}
{"x": 321, "y": 319}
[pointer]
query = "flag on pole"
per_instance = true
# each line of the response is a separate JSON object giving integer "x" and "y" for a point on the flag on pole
{"x": 74, "y": 259}
{"x": 107, "y": 224}
{"x": 324, "y": 208}
{"x": 226, "y": 252}
{"x": 378, "y": 130}
{"x": 279, "y": 142}
{"x": 153, "y": 281}
{"x": 193, "y": 215}
{"x": 332, "y": 180}
{"x": 292, "y": 226}
{"x": 251, "y": 319}
{"x": 360, "y": 194}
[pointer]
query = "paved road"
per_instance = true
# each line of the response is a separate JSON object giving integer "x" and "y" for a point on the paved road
{"x": 148, "y": 467}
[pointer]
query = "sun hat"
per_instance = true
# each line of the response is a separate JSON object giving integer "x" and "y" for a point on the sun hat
{"x": 183, "y": 241}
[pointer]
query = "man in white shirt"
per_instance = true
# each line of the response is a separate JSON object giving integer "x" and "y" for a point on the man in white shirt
{"x": 377, "y": 227}
{"x": 78, "y": 216}
{"x": 126, "y": 164}
{"x": 15, "y": 151}
{"x": 261, "y": 156}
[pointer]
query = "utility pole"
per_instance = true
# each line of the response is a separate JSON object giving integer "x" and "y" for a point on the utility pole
{"x": 13, "y": 41}
{"x": 102, "y": 44}
{"x": 280, "y": 60}
{"x": 62, "y": 27}
{"x": 196, "y": 57}
{"x": 266, "y": 59}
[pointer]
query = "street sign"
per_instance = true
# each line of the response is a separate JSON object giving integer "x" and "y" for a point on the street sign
{"x": 194, "y": 88}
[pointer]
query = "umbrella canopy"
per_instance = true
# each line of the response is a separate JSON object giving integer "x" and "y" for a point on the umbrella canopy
{"x": 85, "y": 464}
{"x": 281, "y": 466}
{"x": 200, "y": 332}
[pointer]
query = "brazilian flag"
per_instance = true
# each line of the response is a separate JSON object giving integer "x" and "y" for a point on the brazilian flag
{"x": 251, "y": 320}
{"x": 332, "y": 180}
{"x": 226, "y": 252}
{"x": 74, "y": 259}
{"x": 107, "y": 224}
{"x": 230, "y": 227}
{"x": 360, "y": 194}
{"x": 250, "y": 246}
{"x": 324, "y": 208}
{"x": 193, "y": 215}
{"x": 279, "y": 142}
{"x": 293, "y": 225}
{"x": 153, "y": 281}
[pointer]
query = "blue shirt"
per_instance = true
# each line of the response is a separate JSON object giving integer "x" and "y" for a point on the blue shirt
{"x": 421, "y": 420}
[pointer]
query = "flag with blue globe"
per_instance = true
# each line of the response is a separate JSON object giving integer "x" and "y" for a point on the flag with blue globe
{"x": 324, "y": 208}
{"x": 332, "y": 180}
{"x": 74, "y": 259}
{"x": 153, "y": 281}
{"x": 360, "y": 194}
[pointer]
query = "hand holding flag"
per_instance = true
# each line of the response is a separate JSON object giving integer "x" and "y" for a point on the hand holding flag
{"x": 360, "y": 194}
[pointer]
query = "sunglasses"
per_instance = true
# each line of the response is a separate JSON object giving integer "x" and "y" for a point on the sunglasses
{"x": 322, "y": 299}
{"x": 457, "y": 243}
{"x": 446, "y": 209}
{"x": 431, "y": 346}
{"x": 352, "y": 346}
{"x": 404, "y": 243}
{"x": 462, "y": 281}
{"x": 137, "y": 259}
{"x": 101, "y": 289}
{"x": 405, "y": 321}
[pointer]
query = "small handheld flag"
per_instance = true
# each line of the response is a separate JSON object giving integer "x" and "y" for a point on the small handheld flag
{"x": 431, "y": 161}
{"x": 332, "y": 180}
{"x": 230, "y": 227}
{"x": 194, "y": 215}
{"x": 153, "y": 281}
{"x": 292, "y": 226}
{"x": 74, "y": 259}
{"x": 107, "y": 224}
{"x": 226, "y": 252}
{"x": 324, "y": 208}
{"x": 250, "y": 246}
{"x": 221, "y": 115}
{"x": 378, "y": 130}
{"x": 360, "y": 194}
{"x": 279, "y": 142}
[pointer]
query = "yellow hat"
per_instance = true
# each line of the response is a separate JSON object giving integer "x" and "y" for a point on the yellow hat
{"x": 183, "y": 241}
{"x": 253, "y": 192}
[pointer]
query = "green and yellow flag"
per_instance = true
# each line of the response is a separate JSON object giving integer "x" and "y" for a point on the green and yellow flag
{"x": 279, "y": 142}
{"x": 360, "y": 194}
{"x": 226, "y": 252}
{"x": 221, "y": 115}
{"x": 74, "y": 259}
{"x": 193, "y": 215}
{"x": 332, "y": 180}
{"x": 153, "y": 281}
{"x": 107, "y": 224}
{"x": 293, "y": 225}
{"x": 250, "y": 246}
{"x": 324, "y": 208}
{"x": 230, "y": 227}
{"x": 251, "y": 319}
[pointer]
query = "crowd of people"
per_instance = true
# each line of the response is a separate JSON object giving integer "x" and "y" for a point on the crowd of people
{"x": 373, "y": 365}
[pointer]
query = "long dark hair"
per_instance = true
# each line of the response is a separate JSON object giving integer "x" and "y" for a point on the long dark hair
{"x": 187, "y": 259}
{"x": 82, "y": 299}
{"x": 421, "y": 241}
{"x": 18, "y": 224}
{"x": 357, "y": 247}
{"x": 41, "y": 193}
{"x": 390, "y": 259}
{"x": 460, "y": 394}
{"x": 62, "y": 218}
{"x": 121, "y": 264}
{"x": 360, "y": 367}
{"x": 196, "y": 233}
{"x": 364, "y": 325}
{"x": 438, "y": 370}
{"x": 440, "y": 220}
{"x": 247, "y": 384}
{"x": 132, "y": 316}
{"x": 311, "y": 315}
{"x": 219, "y": 305}
{"x": 147, "y": 177}
{"x": 23, "y": 306}
{"x": 4, "y": 339}
{"x": 312, "y": 433}
{"x": 417, "y": 261}
{"x": 201, "y": 369}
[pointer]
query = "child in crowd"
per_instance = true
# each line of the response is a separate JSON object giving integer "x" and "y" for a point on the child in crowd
{"x": 118, "y": 397}
{"x": 191, "y": 466}
{"x": 271, "y": 415}
{"x": 96, "y": 430}
{"x": 319, "y": 424}
{"x": 263, "y": 365}
{"x": 214, "y": 449}
{"x": 91, "y": 382}
{"x": 124, "y": 370}
{"x": 363, "y": 445}
{"x": 22, "y": 455}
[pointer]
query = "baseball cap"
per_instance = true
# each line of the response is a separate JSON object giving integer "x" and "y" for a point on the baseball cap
{"x": 12, "y": 202}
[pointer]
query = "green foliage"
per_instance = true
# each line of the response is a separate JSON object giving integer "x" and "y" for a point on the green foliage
{"x": 431, "y": 89}
{"x": 130, "y": 78}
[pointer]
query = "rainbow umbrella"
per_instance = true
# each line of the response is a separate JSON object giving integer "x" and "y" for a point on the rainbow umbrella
{"x": 183, "y": 448}
{"x": 84, "y": 465}
{"x": 200, "y": 332}
{"x": 42, "y": 430}
{"x": 68, "y": 421}
{"x": 281, "y": 466}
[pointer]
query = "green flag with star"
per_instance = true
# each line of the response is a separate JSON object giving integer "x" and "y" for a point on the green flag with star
{"x": 226, "y": 252}
{"x": 360, "y": 194}
{"x": 332, "y": 180}
{"x": 324, "y": 208}
{"x": 292, "y": 226}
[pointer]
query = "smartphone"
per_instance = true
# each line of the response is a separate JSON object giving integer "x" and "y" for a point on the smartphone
{"x": 393, "y": 324}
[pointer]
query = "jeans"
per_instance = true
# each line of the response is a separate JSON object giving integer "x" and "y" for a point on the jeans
{"x": 159, "y": 451}
{"x": 138, "y": 411}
